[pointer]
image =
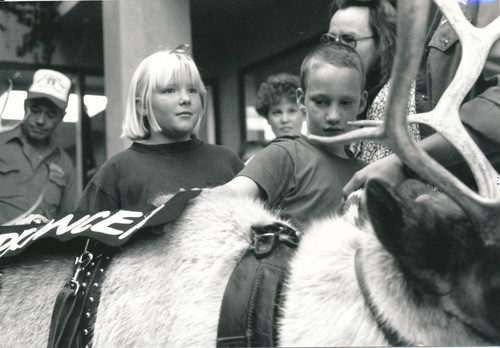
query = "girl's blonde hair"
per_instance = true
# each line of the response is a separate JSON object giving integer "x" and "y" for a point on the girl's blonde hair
{"x": 153, "y": 73}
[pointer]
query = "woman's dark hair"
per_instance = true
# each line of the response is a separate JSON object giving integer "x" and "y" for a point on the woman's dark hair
{"x": 274, "y": 89}
{"x": 383, "y": 26}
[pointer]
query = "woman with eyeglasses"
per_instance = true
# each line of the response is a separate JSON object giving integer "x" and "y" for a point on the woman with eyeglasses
{"x": 369, "y": 26}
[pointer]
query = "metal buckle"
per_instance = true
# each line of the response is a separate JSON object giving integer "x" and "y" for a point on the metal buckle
{"x": 266, "y": 238}
{"x": 288, "y": 236}
{"x": 81, "y": 263}
{"x": 263, "y": 243}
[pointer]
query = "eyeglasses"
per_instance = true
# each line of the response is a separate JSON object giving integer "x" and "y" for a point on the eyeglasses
{"x": 346, "y": 39}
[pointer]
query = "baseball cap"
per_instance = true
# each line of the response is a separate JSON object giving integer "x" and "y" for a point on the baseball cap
{"x": 52, "y": 85}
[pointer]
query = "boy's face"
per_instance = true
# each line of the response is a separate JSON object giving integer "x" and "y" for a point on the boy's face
{"x": 332, "y": 98}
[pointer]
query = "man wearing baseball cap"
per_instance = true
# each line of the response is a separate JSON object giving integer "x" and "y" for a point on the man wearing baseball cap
{"x": 37, "y": 176}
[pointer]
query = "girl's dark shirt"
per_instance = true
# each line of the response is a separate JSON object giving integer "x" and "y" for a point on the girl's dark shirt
{"x": 136, "y": 176}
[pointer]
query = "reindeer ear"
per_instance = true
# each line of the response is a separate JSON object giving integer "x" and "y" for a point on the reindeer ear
{"x": 399, "y": 224}
{"x": 395, "y": 217}
{"x": 423, "y": 229}
{"x": 386, "y": 213}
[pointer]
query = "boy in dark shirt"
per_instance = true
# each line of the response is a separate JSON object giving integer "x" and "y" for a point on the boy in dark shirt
{"x": 301, "y": 179}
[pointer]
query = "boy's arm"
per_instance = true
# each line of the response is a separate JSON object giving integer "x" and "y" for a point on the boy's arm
{"x": 242, "y": 186}
{"x": 266, "y": 176}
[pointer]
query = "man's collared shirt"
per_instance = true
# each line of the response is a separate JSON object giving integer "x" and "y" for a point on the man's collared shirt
{"x": 25, "y": 176}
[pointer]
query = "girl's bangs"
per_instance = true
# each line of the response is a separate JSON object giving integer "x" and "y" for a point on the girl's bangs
{"x": 177, "y": 71}
{"x": 161, "y": 75}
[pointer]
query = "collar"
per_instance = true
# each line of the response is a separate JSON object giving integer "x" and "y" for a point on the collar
{"x": 324, "y": 149}
{"x": 182, "y": 146}
{"x": 11, "y": 134}
{"x": 393, "y": 337}
{"x": 17, "y": 134}
{"x": 476, "y": 327}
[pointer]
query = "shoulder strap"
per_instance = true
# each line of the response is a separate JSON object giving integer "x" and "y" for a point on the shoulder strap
{"x": 250, "y": 307}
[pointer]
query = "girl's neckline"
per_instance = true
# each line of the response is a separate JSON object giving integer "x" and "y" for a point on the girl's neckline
{"x": 168, "y": 148}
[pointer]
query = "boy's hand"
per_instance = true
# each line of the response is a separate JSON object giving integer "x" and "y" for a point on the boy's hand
{"x": 389, "y": 169}
{"x": 32, "y": 219}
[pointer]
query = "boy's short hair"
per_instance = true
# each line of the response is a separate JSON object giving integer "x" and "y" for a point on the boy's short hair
{"x": 335, "y": 54}
{"x": 275, "y": 88}
{"x": 153, "y": 73}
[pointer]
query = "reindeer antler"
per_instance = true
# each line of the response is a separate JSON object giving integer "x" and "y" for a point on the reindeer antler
{"x": 476, "y": 44}
{"x": 483, "y": 208}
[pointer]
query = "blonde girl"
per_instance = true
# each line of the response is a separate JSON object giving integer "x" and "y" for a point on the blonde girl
{"x": 165, "y": 107}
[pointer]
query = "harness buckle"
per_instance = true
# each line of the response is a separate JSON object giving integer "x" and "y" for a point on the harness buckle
{"x": 266, "y": 238}
{"x": 263, "y": 244}
{"x": 81, "y": 263}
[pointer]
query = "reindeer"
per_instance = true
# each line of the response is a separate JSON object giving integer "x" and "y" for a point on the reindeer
{"x": 420, "y": 270}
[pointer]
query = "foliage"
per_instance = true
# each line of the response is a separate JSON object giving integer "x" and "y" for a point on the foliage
{"x": 42, "y": 18}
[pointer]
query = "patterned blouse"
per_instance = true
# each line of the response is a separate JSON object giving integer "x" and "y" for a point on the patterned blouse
{"x": 370, "y": 151}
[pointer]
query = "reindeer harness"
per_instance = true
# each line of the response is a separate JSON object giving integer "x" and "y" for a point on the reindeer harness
{"x": 250, "y": 307}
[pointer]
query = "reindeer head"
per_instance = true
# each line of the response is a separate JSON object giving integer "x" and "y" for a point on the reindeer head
{"x": 447, "y": 245}
{"x": 443, "y": 258}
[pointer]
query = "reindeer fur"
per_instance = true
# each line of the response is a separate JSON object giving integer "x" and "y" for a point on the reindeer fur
{"x": 28, "y": 289}
{"x": 323, "y": 287}
{"x": 166, "y": 290}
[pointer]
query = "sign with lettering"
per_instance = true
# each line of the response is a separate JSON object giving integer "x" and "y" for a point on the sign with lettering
{"x": 111, "y": 228}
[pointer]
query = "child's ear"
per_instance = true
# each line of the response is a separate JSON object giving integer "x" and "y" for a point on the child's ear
{"x": 300, "y": 100}
{"x": 363, "y": 101}
{"x": 139, "y": 107}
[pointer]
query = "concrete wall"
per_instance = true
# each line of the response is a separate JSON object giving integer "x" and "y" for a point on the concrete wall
{"x": 132, "y": 31}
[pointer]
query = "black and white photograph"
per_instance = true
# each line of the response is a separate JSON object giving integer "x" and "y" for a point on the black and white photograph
{"x": 249, "y": 173}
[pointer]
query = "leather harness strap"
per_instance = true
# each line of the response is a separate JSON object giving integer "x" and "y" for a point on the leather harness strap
{"x": 91, "y": 292}
{"x": 76, "y": 305}
{"x": 250, "y": 307}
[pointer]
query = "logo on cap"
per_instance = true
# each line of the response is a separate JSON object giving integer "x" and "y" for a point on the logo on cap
{"x": 52, "y": 85}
